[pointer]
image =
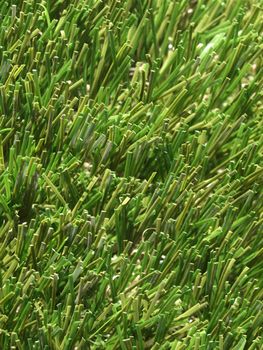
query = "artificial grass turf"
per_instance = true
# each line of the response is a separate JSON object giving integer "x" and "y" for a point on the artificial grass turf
{"x": 131, "y": 174}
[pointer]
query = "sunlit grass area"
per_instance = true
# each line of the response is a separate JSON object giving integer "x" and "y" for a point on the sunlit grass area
{"x": 131, "y": 152}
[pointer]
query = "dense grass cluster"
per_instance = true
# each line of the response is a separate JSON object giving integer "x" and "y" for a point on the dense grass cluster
{"x": 131, "y": 176}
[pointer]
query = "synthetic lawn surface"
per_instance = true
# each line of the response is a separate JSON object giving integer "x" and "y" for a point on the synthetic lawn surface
{"x": 131, "y": 174}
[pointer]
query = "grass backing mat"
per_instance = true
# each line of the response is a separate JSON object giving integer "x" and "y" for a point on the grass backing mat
{"x": 131, "y": 174}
